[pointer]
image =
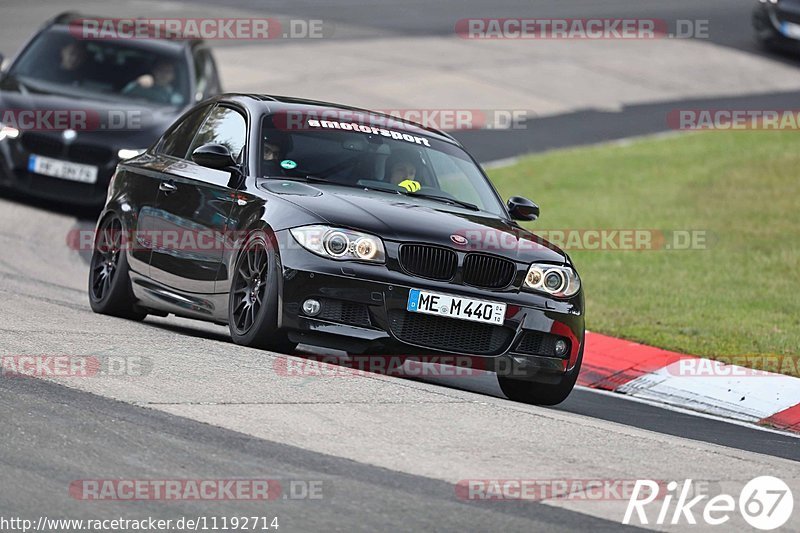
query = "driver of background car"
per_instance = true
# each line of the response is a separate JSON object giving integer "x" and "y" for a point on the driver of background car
{"x": 275, "y": 145}
{"x": 157, "y": 86}
{"x": 404, "y": 169}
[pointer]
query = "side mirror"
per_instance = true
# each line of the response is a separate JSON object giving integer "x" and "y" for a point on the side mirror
{"x": 2, "y": 58}
{"x": 522, "y": 209}
{"x": 213, "y": 155}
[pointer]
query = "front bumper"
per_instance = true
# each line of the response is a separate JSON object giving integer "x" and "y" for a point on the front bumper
{"x": 364, "y": 312}
{"x": 14, "y": 173}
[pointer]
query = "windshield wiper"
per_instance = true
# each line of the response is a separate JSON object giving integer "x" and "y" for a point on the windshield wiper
{"x": 314, "y": 179}
{"x": 388, "y": 188}
{"x": 445, "y": 199}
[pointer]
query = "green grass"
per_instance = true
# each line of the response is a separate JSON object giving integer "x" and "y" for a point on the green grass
{"x": 739, "y": 296}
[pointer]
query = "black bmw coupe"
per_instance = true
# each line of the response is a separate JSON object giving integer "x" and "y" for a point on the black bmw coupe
{"x": 294, "y": 221}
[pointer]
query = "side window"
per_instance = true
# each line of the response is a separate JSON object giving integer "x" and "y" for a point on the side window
{"x": 226, "y": 127}
{"x": 176, "y": 142}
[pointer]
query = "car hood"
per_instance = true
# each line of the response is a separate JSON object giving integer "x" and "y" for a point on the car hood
{"x": 405, "y": 219}
{"x": 122, "y": 124}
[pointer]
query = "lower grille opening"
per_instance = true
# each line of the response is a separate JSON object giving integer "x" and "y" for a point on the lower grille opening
{"x": 448, "y": 334}
{"x": 540, "y": 343}
{"x": 342, "y": 312}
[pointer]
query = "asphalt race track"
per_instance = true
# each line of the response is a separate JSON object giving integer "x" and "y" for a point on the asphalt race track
{"x": 387, "y": 452}
{"x": 202, "y": 408}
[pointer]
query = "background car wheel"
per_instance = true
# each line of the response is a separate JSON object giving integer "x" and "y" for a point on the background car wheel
{"x": 253, "y": 299}
{"x": 110, "y": 290}
{"x": 541, "y": 393}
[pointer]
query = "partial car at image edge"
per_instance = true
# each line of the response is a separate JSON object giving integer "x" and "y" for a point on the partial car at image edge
{"x": 776, "y": 24}
{"x": 71, "y": 108}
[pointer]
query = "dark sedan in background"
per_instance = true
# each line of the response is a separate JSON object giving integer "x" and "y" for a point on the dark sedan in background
{"x": 72, "y": 107}
{"x": 777, "y": 24}
{"x": 303, "y": 222}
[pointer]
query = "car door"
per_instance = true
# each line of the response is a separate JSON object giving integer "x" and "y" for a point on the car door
{"x": 172, "y": 147}
{"x": 192, "y": 210}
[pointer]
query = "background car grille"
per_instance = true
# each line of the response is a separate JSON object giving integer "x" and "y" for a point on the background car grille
{"x": 429, "y": 262}
{"x": 93, "y": 155}
{"x": 488, "y": 271}
{"x": 342, "y": 312}
{"x": 448, "y": 334}
{"x": 42, "y": 144}
{"x": 48, "y": 146}
{"x": 538, "y": 343}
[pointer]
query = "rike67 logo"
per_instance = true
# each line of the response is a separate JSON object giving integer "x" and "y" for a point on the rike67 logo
{"x": 765, "y": 503}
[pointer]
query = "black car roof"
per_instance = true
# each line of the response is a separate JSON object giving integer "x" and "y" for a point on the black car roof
{"x": 274, "y": 103}
{"x": 69, "y": 17}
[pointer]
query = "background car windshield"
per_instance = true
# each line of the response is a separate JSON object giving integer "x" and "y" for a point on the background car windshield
{"x": 120, "y": 69}
{"x": 373, "y": 160}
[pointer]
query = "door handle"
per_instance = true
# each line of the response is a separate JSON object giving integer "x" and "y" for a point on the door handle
{"x": 167, "y": 187}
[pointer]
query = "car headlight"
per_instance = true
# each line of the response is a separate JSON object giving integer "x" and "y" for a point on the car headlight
{"x": 339, "y": 243}
{"x": 128, "y": 153}
{"x": 9, "y": 132}
{"x": 558, "y": 281}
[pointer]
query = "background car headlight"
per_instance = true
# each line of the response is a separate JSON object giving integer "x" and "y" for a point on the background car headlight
{"x": 339, "y": 243}
{"x": 559, "y": 281}
{"x": 128, "y": 153}
{"x": 9, "y": 132}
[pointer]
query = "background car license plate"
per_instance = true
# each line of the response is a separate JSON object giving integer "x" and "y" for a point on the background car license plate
{"x": 62, "y": 169}
{"x": 420, "y": 301}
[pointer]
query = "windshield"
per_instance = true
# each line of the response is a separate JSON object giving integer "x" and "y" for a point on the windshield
{"x": 122, "y": 70}
{"x": 392, "y": 160}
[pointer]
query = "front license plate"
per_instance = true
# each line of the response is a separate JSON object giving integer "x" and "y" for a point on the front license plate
{"x": 432, "y": 303}
{"x": 65, "y": 170}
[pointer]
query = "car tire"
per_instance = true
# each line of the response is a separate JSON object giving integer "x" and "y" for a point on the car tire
{"x": 531, "y": 392}
{"x": 110, "y": 291}
{"x": 253, "y": 297}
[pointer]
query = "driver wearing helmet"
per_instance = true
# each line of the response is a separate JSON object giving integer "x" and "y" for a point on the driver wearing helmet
{"x": 403, "y": 168}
